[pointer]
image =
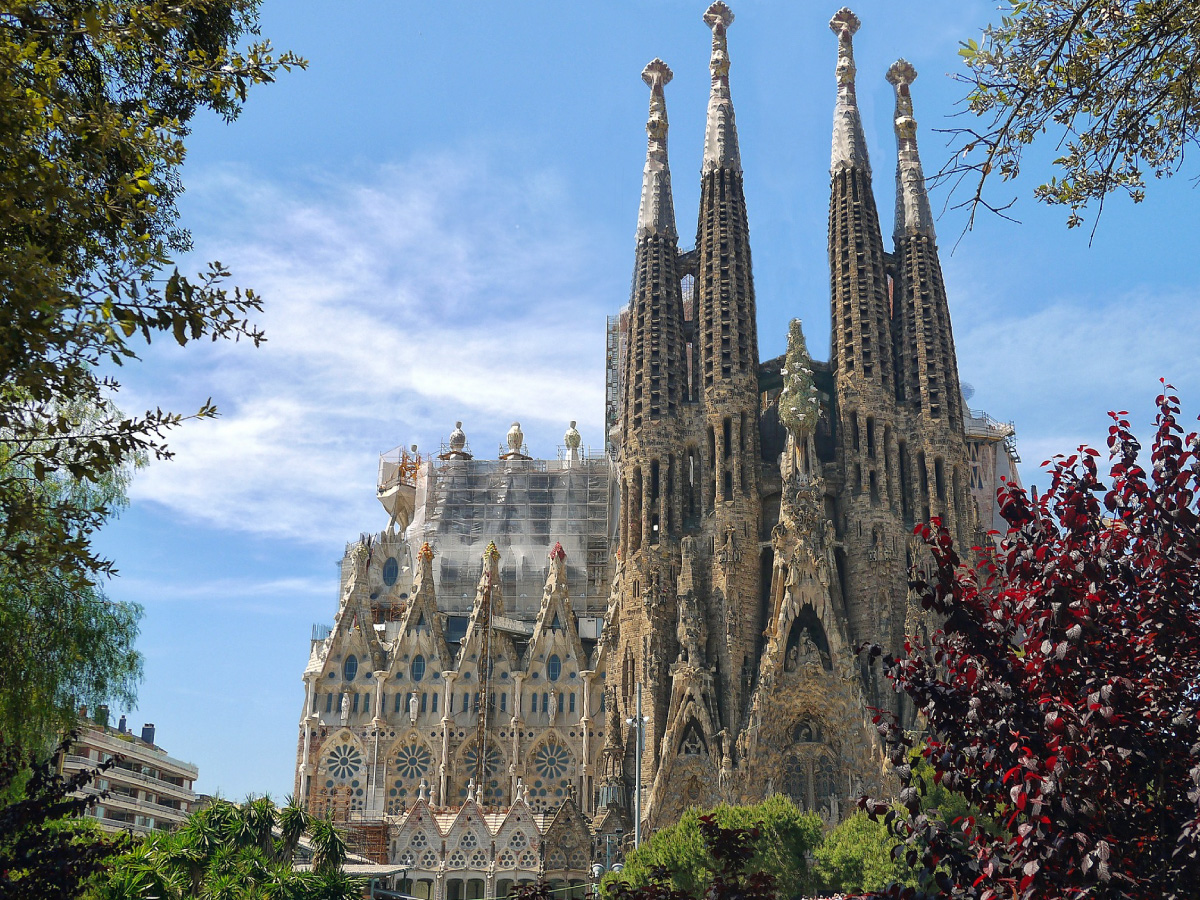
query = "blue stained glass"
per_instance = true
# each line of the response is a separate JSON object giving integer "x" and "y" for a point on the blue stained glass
{"x": 391, "y": 571}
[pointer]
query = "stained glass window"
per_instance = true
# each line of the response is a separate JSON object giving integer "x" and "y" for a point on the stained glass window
{"x": 350, "y": 667}
{"x": 552, "y": 760}
{"x": 553, "y": 667}
{"x": 344, "y": 762}
{"x": 418, "y": 667}
{"x": 391, "y": 571}
{"x": 492, "y": 790}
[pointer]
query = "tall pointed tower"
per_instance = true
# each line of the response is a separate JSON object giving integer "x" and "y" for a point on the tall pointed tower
{"x": 870, "y": 437}
{"x": 728, "y": 377}
{"x": 653, "y": 432}
{"x": 927, "y": 370}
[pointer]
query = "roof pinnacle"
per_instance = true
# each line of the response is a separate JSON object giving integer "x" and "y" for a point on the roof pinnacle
{"x": 912, "y": 200}
{"x": 849, "y": 144}
{"x": 656, "y": 216}
{"x": 720, "y": 137}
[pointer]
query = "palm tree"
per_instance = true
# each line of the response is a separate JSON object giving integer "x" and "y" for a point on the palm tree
{"x": 229, "y": 851}
{"x": 329, "y": 848}
{"x": 294, "y": 823}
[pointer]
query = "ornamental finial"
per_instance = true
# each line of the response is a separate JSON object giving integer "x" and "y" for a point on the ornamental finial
{"x": 557, "y": 551}
{"x": 849, "y": 144}
{"x": 425, "y": 553}
{"x": 913, "y": 214}
{"x": 656, "y": 215}
{"x": 490, "y": 553}
{"x": 720, "y": 136}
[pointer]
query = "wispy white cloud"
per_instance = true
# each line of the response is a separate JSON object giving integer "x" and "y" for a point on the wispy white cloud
{"x": 233, "y": 590}
{"x": 1059, "y": 369}
{"x": 437, "y": 291}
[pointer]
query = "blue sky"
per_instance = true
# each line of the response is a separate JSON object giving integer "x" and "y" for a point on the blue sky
{"x": 440, "y": 214}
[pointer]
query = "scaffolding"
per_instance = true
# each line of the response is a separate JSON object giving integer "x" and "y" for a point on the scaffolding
{"x": 525, "y": 506}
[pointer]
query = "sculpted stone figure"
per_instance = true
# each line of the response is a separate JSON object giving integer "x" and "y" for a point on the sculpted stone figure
{"x": 691, "y": 630}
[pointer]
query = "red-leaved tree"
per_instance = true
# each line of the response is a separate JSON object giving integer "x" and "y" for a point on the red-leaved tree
{"x": 1061, "y": 696}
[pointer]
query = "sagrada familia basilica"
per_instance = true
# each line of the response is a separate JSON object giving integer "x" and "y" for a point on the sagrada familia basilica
{"x": 539, "y": 657}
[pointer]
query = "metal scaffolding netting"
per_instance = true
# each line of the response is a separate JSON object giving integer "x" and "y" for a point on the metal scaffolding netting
{"x": 525, "y": 506}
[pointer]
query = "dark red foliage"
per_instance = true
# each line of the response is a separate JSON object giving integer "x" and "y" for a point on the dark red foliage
{"x": 1062, "y": 696}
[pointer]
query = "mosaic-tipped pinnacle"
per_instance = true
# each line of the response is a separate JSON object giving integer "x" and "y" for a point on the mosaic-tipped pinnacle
{"x": 658, "y": 70}
{"x": 844, "y": 20}
{"x": 901, "y": 72}
{"x": 718, "y": 13}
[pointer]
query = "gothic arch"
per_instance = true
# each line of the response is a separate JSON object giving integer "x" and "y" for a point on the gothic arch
{"x": 494, "y": 790}
{"x": 339, "y": 787}
{"x": 550, "y": 772}
{"x": 409, "y": 760}
{"x": 814, "y": 649}
{"x": 692, "y": 742}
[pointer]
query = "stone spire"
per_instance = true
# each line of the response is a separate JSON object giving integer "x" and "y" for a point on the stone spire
{"x": 720, "y": 137}
{"x": 912, "y": 200}
{"x": 862, "y": 335}
{"x": 657, "y": 212}
{"x": 926, "y": 364}
{"x": 656, "y": 375}
{"x": 727, "y": 378}
{"x": 849, "y": 145}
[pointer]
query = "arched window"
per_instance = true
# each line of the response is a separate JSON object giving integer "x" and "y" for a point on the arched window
{"x": 553, "y": 667}
{"x": 350, "y": 668}
{"x": 391, "y": 571}
{"x": 418, "y": 667}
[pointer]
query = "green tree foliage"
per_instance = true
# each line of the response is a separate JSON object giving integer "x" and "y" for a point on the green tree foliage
{"x": 857, "y": 856}
{"x": 63, "y": 641}
{"x": 681, "y": 857}
{"x": 1114, "y": 82}
{"x": 233, "y": 851}
{"x": 95, "y": 100}
{"x": 45, "y": 854}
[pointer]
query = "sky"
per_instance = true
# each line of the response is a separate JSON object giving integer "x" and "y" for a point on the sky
{"x": 439, "y": 214}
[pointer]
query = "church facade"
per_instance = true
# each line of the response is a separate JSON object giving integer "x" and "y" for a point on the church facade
{"x": 747, "y": 525}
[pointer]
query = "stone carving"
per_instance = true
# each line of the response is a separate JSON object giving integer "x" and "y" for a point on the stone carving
{"x": 344, "y": 708}
{"x": 412, "y": 709}
{"x": 572, "y": 440}
{"x": 691, "y": 630}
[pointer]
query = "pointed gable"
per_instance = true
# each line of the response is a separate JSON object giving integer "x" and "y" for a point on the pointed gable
{"x": 489, "y": 604}
{"x": 421, "y": 626}
{"x": 555, "y": 631}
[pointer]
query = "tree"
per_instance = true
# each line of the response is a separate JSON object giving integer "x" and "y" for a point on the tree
{"x": 64, "y": 642}
{"x": 95, "y": 100}
{"x": 233, "y": 851}
{"x": 857, "y": 856}
{"x": 45, "y": 853}
{"x": 1115, "y": 81}
{"x": 681, "y": 856}
{"x": 1060, "y": 696}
